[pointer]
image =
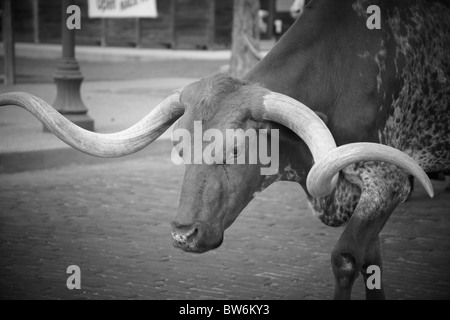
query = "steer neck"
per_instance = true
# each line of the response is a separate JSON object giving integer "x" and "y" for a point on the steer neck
{"x": 295, "y": 163}
{"x": 295, "y": 160}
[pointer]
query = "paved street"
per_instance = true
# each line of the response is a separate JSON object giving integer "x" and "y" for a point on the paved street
{"x": 113, "y": 221}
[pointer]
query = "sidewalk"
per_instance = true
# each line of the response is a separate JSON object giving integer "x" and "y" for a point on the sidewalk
{"x": 97, "y": 54}
{"x": 114, "y": 54}
{"x": 117, "y": 94}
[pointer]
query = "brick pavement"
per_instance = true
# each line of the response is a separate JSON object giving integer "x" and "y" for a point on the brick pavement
{"x": 113, "y": 220}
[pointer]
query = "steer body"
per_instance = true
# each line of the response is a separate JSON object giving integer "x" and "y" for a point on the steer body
{"x": 390, "y": 86}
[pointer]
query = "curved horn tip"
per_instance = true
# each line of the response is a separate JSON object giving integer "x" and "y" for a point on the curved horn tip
{"x": 428, "y": 187}
{"x": 320, "y": 190}
{"x": 339, "y": 158}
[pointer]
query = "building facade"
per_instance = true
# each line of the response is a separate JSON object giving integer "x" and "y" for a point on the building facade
{"x": 181, "y": 24}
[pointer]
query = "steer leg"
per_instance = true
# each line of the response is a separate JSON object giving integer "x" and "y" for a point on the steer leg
{"x": 383, "y": 189}
{"x": 373, "y": 258}
{"x": 356, "y": 249}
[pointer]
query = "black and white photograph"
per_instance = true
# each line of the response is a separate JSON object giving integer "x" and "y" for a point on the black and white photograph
{"x": 225, "y": 155}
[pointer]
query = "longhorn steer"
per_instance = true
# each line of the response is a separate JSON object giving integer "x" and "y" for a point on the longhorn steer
{"x": 383, "y": 94}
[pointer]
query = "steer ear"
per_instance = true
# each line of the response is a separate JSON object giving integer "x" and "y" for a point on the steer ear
{"x": 322, "y": 116}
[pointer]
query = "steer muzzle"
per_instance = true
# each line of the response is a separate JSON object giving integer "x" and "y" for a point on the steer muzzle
{"x": 197, "y": 237}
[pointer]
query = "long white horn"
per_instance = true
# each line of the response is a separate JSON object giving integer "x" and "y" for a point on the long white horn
{"x": 324, "y": 170}
{"x": 304, "y": 122}
{"x": 110, "y": 145}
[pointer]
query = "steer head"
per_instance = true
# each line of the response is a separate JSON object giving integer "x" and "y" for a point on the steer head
{"x": 213, "y": 194}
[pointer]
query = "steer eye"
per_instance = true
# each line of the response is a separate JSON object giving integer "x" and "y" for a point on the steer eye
{"x": 236, "y": 151}
{"x": 232, "y": 154}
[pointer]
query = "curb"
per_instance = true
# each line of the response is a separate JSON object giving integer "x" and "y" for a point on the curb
{"x": 115, "y": 54}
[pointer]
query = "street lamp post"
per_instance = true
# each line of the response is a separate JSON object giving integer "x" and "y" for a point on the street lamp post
{"x": 8, "y": 43}
{"x": 68, "y": 79}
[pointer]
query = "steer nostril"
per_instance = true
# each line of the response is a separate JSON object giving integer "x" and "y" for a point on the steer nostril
{"x": 196, "y": 236}
{"x": 185, "y": 236}
{"x": 192, "y": 234}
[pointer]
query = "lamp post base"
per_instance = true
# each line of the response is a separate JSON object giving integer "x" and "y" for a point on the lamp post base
{"x": 68, "y": 101}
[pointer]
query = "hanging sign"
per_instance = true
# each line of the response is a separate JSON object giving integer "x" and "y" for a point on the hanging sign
{"x": 122, "y": 9}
